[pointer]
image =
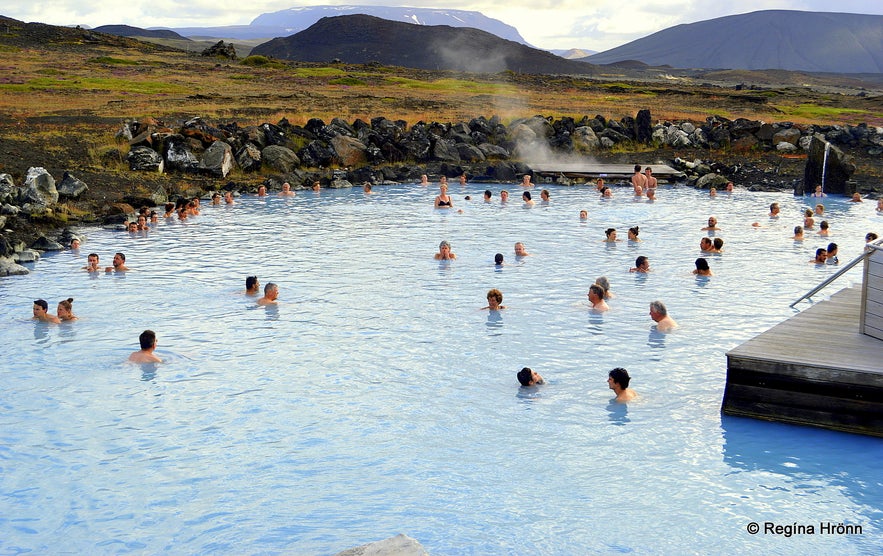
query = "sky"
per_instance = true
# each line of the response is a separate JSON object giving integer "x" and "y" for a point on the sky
{"x": 550, "y": 24}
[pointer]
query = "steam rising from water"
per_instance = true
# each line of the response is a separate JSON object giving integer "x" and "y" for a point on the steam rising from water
{"x": 532, "y": 145}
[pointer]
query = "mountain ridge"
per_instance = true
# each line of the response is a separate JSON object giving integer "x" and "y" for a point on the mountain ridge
{"x": 129, "y": 31}
{"x": 366, "y": 39}
{"x": 763, "y": 40}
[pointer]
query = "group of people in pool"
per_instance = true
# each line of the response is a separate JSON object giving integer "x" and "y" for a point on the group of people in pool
{"x": 271, "y": 291}
{"x": 444, "y": 201}
{"x": 64, "y": 313}
{"x": 823, "y": 255}
{"x": 598, "y": 293}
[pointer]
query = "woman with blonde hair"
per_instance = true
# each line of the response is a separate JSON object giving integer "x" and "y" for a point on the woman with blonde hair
{"x": 66, "y": 309}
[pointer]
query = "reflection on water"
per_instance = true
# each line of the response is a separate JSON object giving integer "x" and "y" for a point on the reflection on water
{"x": 272, "y": 311}
{"x": 148, "y": 371}
{"x": 596, "y": 319}
{"x": 618, "y": 413}
{"x": 494, "y": 320}
{"x": 41, "y": 331}
{"x": 656, "y": 339}
{"x": 529, "y": 393}
{"x": 67, "y": 331}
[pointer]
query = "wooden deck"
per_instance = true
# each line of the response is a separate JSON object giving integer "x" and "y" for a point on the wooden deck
{"x": 593, "y": 171}
{"x": 816, "y": 368}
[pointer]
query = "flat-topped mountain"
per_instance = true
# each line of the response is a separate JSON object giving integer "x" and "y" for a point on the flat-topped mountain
{"x": 283, "y": 23}
{"x": 364, "y": 39}
{"x": 771, "y": 39}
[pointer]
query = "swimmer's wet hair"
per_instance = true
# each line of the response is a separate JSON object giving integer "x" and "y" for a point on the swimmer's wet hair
{"x": 604, "y": 283}
{"x": 147, "y": 339}
{"x": 524, "y": 376}
{"x": 620, "y": 376}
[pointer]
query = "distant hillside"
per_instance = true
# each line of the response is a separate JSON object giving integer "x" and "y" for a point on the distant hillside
{"x": 573, "y": 53}
{"x": 287, "y": 22}
{"x": 128, "y": 31}
{"x": 771, "y": 39}
{"x": 21, "y": 34}
{"x": 363, "y": 39}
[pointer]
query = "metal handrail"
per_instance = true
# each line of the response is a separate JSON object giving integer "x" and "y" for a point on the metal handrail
{"x": 868, "y": 249}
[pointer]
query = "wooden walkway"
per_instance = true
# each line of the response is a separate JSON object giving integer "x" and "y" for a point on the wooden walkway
{"x": 816, "y": 368}
{"x": 594, "y": 171}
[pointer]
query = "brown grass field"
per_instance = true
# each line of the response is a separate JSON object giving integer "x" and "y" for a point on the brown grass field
{"x": 62, "y": 98}
{"x": 111, "y": 82}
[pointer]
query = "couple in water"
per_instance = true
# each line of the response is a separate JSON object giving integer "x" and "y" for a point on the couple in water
{"x": 617, "y": 380}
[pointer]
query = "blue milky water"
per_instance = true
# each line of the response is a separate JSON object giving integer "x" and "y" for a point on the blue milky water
{"x": 377, "y": 398}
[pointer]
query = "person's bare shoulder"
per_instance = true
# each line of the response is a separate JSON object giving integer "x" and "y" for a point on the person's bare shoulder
{"x": 142, "y": 357}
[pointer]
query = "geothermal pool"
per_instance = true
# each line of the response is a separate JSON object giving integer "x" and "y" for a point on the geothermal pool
{"x": 377, "y": 397}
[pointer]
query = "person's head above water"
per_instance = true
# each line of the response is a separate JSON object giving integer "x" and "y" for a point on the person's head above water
{"x": 147, "y": 339}
{"x": 604, "y": 283}
{"x": 529, "y": 377}
{"x": 620, "y": 376}
{"x": 494, "y": 298}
